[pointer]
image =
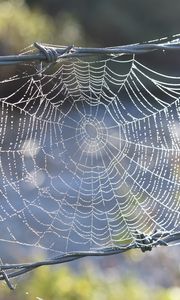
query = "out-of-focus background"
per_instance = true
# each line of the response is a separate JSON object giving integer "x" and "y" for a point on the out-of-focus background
{"x": 138, "y": 276}
{"x": 92, "y": 23}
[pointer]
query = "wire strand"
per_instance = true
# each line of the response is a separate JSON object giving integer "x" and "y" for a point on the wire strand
{"x": 143, "y": 242}
{"x": 50, "y": 53}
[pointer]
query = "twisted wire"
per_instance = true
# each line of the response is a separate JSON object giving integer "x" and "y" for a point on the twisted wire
{"x": 143, "y": 242}
{"x": 51, "y": 54}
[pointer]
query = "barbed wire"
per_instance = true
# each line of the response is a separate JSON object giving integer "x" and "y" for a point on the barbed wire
{"x": 142, "y": 242}
{"x": 50, "y": 53}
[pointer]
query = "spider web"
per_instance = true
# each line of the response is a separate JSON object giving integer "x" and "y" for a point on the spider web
{"x": 90, "y": 152}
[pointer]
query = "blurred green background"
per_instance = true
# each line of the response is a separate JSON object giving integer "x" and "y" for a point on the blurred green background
{"x": 85, "y": 22}
{"x": 94, "y": 23}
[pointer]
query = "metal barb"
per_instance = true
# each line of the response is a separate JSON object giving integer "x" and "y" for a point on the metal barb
{"x": 146, "y": 242}
{"x": 50, "y": 54}
{"x": 143, "y": 241}
{"x": 5, "y": 277}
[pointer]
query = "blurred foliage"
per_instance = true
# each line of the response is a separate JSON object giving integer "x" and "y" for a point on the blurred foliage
{"x": 20, "y": 26}
{"x": 82, "y": 22}
{"x": 50, "y": 283}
